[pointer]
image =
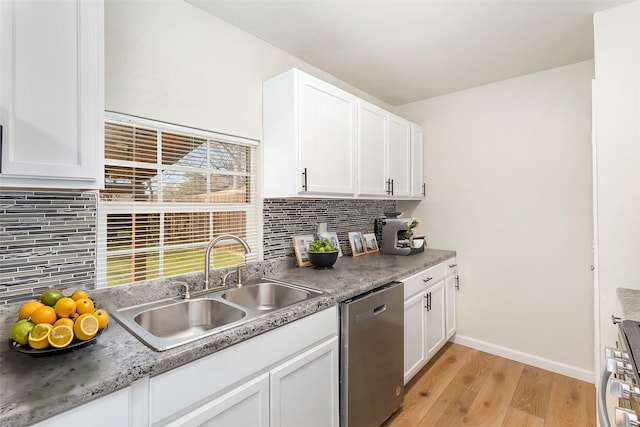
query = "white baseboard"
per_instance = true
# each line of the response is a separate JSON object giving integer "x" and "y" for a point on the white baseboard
{"x": 529, "y": 359}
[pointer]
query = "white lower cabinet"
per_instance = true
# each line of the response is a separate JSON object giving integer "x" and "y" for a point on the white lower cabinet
{"x": 429, "y": 315}
{"x": 246, "y": 405}
{"x": 285, "y": 377}
{"x": 303, "y": 390}
{"x": 110, "y": 410}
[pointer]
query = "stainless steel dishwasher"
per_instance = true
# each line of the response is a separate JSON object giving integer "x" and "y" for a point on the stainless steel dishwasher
{"x": 372, "y": 356}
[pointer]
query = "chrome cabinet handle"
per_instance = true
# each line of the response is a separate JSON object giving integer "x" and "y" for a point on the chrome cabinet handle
{"x": 304, "y": 174}
{"x": 427, "y": 279}
{"x": 458, "y": 282}
{"x": 453, "y": 265}
{"x": 615, "y": 319}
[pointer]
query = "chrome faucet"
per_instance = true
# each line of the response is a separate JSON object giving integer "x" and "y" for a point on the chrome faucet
{"x": 207, "y": 257}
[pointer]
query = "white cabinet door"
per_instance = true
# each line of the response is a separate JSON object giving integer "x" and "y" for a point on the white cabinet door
{"x": 415, "y": 345}
{"x": 304, "y": 390}
{"x": 372, "y": 150}
{"x": 110, "y": 410}
{"x": 418, "y": 186}
{"x": 435, "y": 318}
{"x": 399, "y": 152}
{"x": 327, "y": 137}
{"x": 246, "y": 405}
{"x": 52, "y": 93}
{"x": 451, "y": 296}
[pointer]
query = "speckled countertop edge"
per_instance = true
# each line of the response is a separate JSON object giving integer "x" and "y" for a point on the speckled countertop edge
{"x": 630, "y": 302}
{"x": 35, "y": 388}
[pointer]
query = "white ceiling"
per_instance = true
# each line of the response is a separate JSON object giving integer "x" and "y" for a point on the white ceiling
{"x": 402, "y": 51}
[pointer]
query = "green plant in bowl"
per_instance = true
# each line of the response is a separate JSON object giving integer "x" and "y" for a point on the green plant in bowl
{"x": 322, "y": 254}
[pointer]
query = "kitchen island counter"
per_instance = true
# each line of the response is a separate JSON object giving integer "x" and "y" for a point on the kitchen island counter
{"x": 35, "y": 388}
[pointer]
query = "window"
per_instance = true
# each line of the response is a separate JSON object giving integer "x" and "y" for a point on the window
{"x": 168, "y": 191}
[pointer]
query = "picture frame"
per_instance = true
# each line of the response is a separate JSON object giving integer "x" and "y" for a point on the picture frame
{"x": 357, "y": 243}
{"x": 370, "y": 243}
{"x": 301, "y": 247}
{"x": 333, "y": 238}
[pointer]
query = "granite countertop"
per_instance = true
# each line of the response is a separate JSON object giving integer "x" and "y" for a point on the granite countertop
{"x": 35, "y": 388}
{"x": 630, "y": 302}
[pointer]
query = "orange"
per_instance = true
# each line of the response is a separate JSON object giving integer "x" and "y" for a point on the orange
{"x": 28, "y": 308}
{"x": 65, "y": 307}
{"x": 64, "y": 321}
{"x": 44, "y": 314}
{"x": 85, "y": 327}
{"x": 39, "y": 336}
{"x": 60, "y": 336}
{"x": 79, "y": 294}
{"x": 84, "y": 306}
{"x": 103, "y": 318}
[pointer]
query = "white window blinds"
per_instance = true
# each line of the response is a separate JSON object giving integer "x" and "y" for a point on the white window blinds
{"x": 168, "y": 191}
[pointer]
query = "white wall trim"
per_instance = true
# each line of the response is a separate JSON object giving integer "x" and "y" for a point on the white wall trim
{"x": 529, "y": 359}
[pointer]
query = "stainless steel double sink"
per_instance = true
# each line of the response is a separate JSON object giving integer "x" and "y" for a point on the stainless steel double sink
{"x": 173, "y": 322}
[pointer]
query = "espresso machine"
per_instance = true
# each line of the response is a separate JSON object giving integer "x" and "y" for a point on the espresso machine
{"x": 389, "y": 232}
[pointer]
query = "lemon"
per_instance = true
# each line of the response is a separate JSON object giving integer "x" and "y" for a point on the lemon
{"x": 51, "y": 297}
{"x": 28, "y": 308}
{"x": 39, "y": 336}
{"x": 86, "y": 326}
{"x": 44, "y": 314}
{"x": 65, "y": 307}
{"x": 103, "y": 318}
{"x": 20, "y": 331}
{"x": 84, "y": 306}
{"x": 60, "y": 336}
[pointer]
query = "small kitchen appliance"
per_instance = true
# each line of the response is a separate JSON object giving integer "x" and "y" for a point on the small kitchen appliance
{"x": 622, "y": 363}
{"x": 389, "y": 232}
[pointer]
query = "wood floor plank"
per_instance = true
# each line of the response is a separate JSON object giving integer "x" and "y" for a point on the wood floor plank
{"x": 490, "y": 406}
{"x": 572, "y": 403}
{"x": 515, "y": 417}
{"x": 427, "y": 386}
{"x": 532, "y": 393}
{"x": 450, "y": 408}
{"x": 474, "y": 373}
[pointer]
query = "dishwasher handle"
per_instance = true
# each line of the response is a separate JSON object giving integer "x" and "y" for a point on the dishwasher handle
{"x": 368, "y": 314}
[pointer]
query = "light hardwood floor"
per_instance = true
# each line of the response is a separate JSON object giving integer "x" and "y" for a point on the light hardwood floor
{"x": 461, "y": 386}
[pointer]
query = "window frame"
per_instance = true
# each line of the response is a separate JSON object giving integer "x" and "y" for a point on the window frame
{"x": 252, "y": 208}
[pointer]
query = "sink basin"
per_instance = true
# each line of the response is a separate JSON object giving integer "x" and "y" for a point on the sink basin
{"x": 267, "y": 296}
{"x": 173, "y": 322}
{"x": 188, "y": 318}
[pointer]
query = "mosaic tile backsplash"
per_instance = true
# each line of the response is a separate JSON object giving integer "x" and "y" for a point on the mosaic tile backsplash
{"x": 47, "y": 239}
{"x": 285, "y": 218}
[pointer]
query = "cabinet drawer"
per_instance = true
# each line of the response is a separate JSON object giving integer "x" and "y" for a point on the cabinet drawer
{"x": 417, "y": 282}
{"x": 451, "y": 267}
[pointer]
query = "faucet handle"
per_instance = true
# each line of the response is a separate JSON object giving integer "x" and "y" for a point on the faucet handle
{"x": 239, "y": 271}
{"x": 187, "y": 293}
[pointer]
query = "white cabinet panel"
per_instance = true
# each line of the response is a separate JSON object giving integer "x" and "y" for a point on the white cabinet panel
{"x": 246, "y": 406}
{"x": 372, "y": 150}
{"x": 304, "y": 390}
{"x": 436, "y": 320}
{"x": 399, "y": 152}
{"x": 451, "y": 295}
{"x": 52, "y": 93}
{"x": 418, "y": 186}
{"x": 108, "y": 411}
{"x": 415, "y": 355}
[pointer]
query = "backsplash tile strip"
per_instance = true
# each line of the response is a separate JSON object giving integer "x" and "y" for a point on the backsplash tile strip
{"x": 47, "y": 239}
{"x": 285, "y": 218}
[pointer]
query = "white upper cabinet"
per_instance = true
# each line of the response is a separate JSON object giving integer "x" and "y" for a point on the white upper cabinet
{"x": 372, "y": 150}
{"x": 418, "y": 186}
{"x": 52, "y": 93}
{"x": 399, "y": 151}
{"x": 309, "y": 137}
{"x": 320, "y": 141}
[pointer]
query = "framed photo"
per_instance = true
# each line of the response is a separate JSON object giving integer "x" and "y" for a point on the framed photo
{"x": 357, "y": 244}
{"x": 301, "y": 247}
{"x": 333, "y": 238}
{"x": 370, "y": 243}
